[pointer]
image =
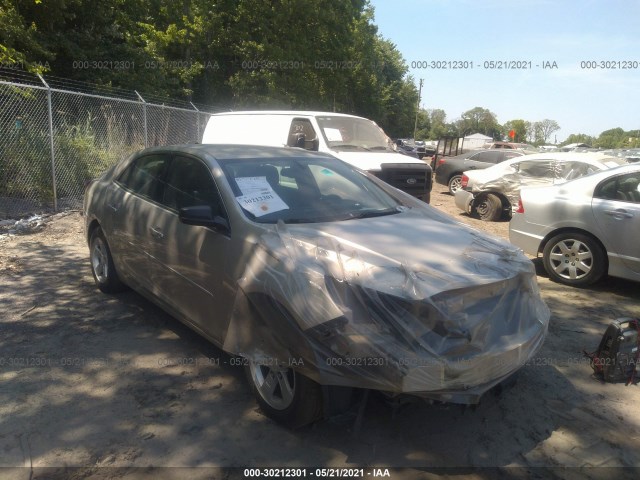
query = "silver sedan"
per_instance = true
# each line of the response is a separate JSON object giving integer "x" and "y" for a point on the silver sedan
{"x": 317, "y": 276}
{"x": 585, "y": 228}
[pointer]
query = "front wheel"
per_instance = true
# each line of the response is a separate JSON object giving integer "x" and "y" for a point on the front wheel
{"x": 102, "y": 267}
{"x": 574, "y": 259}
{"x": 285, "y": 395}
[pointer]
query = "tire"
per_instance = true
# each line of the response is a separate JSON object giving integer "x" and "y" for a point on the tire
{"x": 455, "y": 184}
{"x": 488, "y": 208}
{"x": 284, "y": 395}
{"x": 102, "y": 267}
{"x": 574, "y": 259}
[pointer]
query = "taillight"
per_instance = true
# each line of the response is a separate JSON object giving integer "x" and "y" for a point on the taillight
{"x": 465, "y": 181}
{"x": 520, "y": 208}
{"x": 441, "y": 161}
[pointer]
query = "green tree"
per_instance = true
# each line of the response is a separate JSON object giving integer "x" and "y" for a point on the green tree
{"x": 19, "y": 39}
{"x": 478, "y": 120}
{"x": 423, "y": 125}
{"x": 613, "y": 138}
{"x": 578, "y": 138}
{"x": 438, "y": 119}
{"x": 519, "y": 126}
{"x": 544, "y": 129}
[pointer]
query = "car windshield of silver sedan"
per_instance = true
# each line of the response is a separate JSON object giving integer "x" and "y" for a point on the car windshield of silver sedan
{"x": 305, "y": 191}
{"x": 346, "y": 133}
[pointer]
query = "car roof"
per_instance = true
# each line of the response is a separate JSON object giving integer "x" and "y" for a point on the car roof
{"x": 301, "y": 113}
{"x": 610, "y": 172}
{"x": 588, "y": 157}
{"x": 490, "y": 150}
{"x": 232, "y": 152}
{"x": 588, "y": 182}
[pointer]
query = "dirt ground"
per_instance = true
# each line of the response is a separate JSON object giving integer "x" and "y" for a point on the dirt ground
{"x": 92, "y": 385}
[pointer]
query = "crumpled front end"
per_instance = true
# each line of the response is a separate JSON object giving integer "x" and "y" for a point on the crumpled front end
{"x": 345, "y": 315}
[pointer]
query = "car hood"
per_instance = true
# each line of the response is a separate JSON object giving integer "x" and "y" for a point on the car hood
{"x": 443, "y": 254}
{"x": 372, "y": 161}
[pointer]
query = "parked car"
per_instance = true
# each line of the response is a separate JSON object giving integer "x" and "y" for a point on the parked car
{"x": 355, "y": 140}
{"x": 410, "y": 147}
{"x": 449, "y": 169}
{"x": 315, "y": 274}
{"x": 511, "y": 145}
{"x": 585, "y": 228}
{"x": 492, "y": 193}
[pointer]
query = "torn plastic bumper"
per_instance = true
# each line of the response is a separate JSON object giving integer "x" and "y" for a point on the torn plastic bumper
{"x": 344, "y": 315}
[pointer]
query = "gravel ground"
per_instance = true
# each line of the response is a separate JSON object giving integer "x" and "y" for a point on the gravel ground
{"x": 101, "y": 386}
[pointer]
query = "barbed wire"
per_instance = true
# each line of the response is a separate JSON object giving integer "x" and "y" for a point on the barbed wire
{"x": 19, "y": 76}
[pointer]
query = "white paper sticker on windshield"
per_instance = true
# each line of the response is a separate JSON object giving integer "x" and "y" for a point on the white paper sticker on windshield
{"x": 249, "y": 185}
{"x": 262, "y": 203}
{"x": 258, "y": 196}
{"x": 333, "y": 134}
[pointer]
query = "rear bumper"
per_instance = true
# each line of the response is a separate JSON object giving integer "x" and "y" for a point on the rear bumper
{"x": 464, "y": 200}
{"x": 441, "y": 177}
{"x": 524, "y": 235}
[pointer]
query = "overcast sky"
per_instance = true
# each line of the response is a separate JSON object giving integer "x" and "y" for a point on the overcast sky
{"x": 532, "y": 32}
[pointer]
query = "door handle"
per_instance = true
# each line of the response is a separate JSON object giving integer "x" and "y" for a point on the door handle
{"x": 619, "y": 213}
{"x": 157, "y": 233}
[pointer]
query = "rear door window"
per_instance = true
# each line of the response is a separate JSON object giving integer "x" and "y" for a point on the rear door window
{"x": 540, "y": 169}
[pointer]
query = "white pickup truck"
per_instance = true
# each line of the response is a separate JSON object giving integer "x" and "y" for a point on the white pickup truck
{"x": 355, "y": 140}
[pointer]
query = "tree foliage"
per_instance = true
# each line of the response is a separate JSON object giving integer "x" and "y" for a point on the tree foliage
{"x": 478, "y": 120}
{"x": 612, "y": 138}
{"x": 299, "y": 54}
{"x": 519, "y": 126}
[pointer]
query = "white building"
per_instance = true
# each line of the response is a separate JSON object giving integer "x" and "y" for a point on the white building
{"x": 477, "y": 140}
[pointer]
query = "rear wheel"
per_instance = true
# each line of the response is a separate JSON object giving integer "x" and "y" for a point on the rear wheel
{"x": 102, "y": 267}
{"x": 285, "y": 395}
{"x": 455, "y": 184}
{"x": 489, "y": 208}
{"x": 574, "y": 259}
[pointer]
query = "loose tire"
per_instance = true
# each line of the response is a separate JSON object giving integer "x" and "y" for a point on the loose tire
{"x": 489, "y": 208}
{"x": 455, "y": 184}
{"x": 574, "y": 259}
{"x": 102, "y": 268}
{"x": 285, "y": 395}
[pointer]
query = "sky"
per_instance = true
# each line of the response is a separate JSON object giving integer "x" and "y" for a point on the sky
{"x": 575, "y": 34}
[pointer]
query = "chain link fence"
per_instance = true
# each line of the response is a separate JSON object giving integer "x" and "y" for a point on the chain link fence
{"x": 53, "y": 140}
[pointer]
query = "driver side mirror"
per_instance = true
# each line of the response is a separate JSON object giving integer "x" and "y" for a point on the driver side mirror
{"x": 313, "y": 145}
{"x": 202, "y": 215}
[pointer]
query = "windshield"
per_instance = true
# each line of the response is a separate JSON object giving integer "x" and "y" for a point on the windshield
{"x": 298, "y": 190}
{"x": 349, "y": 133}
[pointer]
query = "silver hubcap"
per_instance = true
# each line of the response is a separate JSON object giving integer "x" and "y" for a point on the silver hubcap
{"x": 99, "y": 261}
{"x": 482, "y": 208}
{"x": 275, "y": 385}
{"x": 571, "y": 259}
{"x": 455, "y": 184}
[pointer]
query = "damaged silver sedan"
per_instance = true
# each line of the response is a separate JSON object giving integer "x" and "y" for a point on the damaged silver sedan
{"x": 316, "y": 274}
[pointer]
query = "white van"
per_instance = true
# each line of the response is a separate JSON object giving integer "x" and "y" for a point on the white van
{"x": 355, "y": 140}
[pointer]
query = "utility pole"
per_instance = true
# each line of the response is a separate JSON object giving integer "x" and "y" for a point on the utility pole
{"x": 415, "y": 127}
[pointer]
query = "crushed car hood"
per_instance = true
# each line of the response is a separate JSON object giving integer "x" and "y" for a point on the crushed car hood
{"x": 467, "y": 257}
{"x": 374, "y": 303}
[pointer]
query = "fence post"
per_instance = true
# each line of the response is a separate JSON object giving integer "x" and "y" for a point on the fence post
{"x": 197, "y": 121}
{"x": 53, "y": 150}
{"x": 144, "y": 114}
